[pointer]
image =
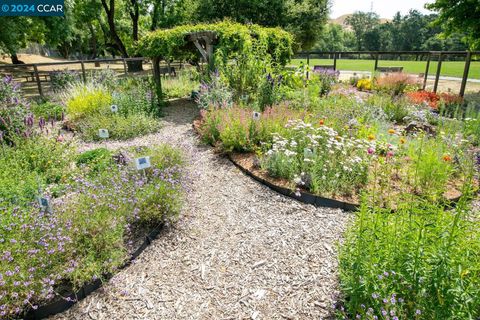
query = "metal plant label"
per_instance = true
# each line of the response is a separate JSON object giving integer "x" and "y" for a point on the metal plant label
{"x": 44, "y": 203}
{"x": 103, "y": 133}
{"x": 142, "y": 163}
{"x": 256, "y": 115}
{"x": 307, "y": 153}
{"x": 114, "y": 108}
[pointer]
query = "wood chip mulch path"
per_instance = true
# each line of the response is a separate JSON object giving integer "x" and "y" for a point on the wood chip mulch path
{"x": 238, "y": 251}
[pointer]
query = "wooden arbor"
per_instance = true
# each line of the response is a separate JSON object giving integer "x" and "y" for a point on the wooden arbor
{"x": 203, "y": 41}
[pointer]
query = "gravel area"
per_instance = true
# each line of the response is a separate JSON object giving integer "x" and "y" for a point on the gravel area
{"x": 238, "y": 251}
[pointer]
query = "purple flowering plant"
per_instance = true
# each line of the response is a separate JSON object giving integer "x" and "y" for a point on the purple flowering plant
{"x": 90, "y": 228}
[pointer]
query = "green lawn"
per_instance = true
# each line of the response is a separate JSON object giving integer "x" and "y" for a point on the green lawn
{"x": 449, "y": 68}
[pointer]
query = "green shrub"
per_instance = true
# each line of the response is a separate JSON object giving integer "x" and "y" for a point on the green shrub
{"x": 61, "y": 79}
{"x": 318, "y": 159}
{"x": 420, "y": 262}
{"x": 180, "y": 86}
{"x": 119, "y": 127}
{"x": 39, "y": 162}
{"x": 396, "y": 110}
{"x": 87, "y": 100}
{"x": 96, "y": 160}
{"x": 234, "y": 129}
{"x": 47, "y": 110}
{"x": 431, "y": 167}
{"x": 13, "y": 112}
{"x": 85, "y": 234}
{"x": 135, "y": 96}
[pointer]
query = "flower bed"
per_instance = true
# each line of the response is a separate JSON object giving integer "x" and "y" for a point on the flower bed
{"x": 399, "y": 164}
{"x": 307, "y": 156}
{"x": 73, "y": 219}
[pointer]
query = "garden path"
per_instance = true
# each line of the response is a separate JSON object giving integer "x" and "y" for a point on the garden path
{"x": 238, "y": 251}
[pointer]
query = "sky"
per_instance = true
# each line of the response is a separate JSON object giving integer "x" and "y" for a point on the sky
{"x": 385, "y": 8}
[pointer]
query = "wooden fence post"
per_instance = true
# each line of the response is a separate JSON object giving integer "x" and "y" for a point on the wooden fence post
{"x": 37, "y": 77}
{"x": 425, "y": 78}
{"x": 468, "y": 58}
{"x": 335, "y": 61}
{"x": 125, "y": 66}
{"x": 376, "y": 63}
{"x": 83, "y": 72}
{"x": 439, "y": 68}
{"x": 308, "y": 66}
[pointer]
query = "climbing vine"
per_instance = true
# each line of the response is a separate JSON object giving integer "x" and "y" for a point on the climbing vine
{"x": 234, "y": 39}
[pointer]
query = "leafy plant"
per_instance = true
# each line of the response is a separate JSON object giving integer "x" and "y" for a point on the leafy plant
{"x": 180, "y": 86}
{"x": 119, "y": 127}
{"x": 47, "y": 110}
{"x": 419, "y": 262}
{"x": 214, "y": 94}
{"x": 61, "y": 80}
{"x": 86, "y": 100}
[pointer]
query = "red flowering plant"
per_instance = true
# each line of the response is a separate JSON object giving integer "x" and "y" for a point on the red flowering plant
{"x": 434, "y": 100}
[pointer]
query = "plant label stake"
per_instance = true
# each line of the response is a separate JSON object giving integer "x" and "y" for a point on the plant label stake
{"x": 307, "y": 153}
{"x": 44, "y": 204}
{"x": 142, "y": 164}
{"x": 256, "y": 115}
{"x": 114, "y": 108}
{"x": 103, "y": 133}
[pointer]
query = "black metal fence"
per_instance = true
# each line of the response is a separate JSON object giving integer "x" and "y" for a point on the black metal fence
{"x": 428, "y": 56}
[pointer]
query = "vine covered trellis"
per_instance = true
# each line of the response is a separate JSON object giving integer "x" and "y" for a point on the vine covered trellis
{"x": 216, "y": 43}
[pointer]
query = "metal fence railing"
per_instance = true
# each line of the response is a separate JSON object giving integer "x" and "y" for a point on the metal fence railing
{"x": 426, "y": 56}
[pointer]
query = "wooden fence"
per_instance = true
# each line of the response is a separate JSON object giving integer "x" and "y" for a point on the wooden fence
{"x": 32, "y": 73}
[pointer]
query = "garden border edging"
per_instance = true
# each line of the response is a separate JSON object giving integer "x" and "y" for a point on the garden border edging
{"x": 62, "y": 305}
{"x": 304, "y": 197}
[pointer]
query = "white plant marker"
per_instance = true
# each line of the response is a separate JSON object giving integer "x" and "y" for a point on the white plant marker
{"x": 114, "y": 108}
{"x": 256, "y": 115}
{"x": 142, "y": 163}
{"x": 307, "y": 153}
{"x": 103, "y": 133}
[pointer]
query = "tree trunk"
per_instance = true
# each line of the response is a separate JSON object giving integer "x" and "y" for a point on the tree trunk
{"x": 110, "y": 11}
{"x": 15, "y": 59}
{"x": 93, "y": 41}
{"x": 134, "y": 66}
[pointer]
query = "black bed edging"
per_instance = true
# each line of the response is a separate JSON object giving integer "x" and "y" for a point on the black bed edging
{"x": 317, "y": 201}
{"x": 304, "y": 197}
{"x": 63, "y": 305}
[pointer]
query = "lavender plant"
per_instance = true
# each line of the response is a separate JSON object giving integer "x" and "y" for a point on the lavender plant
{"x": 214, "y": 94}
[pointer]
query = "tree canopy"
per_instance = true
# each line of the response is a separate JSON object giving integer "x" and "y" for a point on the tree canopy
{"x": 459, "y": 16}
{"x": 233, "y": 38}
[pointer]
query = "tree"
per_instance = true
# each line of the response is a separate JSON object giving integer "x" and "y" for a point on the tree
{"x": 17, "y": 32}
{"x": 363, "y": 23}
{"x": 304, "y": 18}
{"x": 459, "y": 16}
{"x": 170, "y": 13}
{"x": 335, "y": 38}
